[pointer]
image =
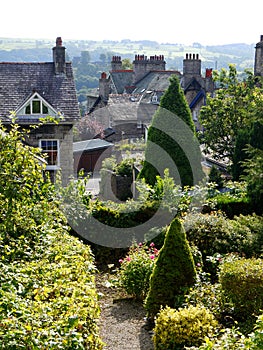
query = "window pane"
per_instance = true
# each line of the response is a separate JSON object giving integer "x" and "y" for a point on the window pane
{"x": 45, "y": 109}
{"x": 28, "y": 109}
{"x": 50, "y": 148}
{"x": 36, "y": 106}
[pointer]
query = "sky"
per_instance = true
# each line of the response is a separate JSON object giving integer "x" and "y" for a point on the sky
{"x": 185, "y": 21}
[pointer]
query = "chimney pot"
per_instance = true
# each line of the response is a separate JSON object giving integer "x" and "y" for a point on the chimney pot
{"x": 59, "y": 41}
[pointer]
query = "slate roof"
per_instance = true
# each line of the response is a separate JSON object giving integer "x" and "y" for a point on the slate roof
{"x": 19, "y": 80}
{"x": 155, "y": 81}
{"x": 89, "y": 145}
{"x": 121, "y": 79}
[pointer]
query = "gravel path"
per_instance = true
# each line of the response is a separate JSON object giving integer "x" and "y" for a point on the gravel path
{"x": 122, "y": 324}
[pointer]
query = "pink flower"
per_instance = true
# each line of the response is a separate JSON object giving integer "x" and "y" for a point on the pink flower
{"x": 140, "y": 244}
{"x": 152, "y": 245}
{"x": 128, "y": 258}
{"x": 152, "y": 256}
{"x": 120, "y": 261}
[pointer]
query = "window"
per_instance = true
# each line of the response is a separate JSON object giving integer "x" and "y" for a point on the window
{"x": 51, "y": 149}
{"x": 154, "y": 99}
{"x": 36, "y": 106}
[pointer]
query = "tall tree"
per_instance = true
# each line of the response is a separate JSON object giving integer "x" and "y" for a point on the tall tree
{"x": 235, "y": 106}
{"x": 171, "y": 140}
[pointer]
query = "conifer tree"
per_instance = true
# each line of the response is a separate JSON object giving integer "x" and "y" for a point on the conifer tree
{"x": 173, "y": 131}
{"x": 173, "y": 270}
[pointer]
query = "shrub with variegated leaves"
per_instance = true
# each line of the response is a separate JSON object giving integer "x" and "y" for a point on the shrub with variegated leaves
{"x": 175, "y": 329}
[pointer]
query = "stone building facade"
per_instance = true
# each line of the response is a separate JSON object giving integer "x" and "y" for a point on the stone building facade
{"x": 37, "y": 90}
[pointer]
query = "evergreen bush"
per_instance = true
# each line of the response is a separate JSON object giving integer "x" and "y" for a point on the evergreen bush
{"x": 174, "y": 270}
{"x": 173, "y": 138}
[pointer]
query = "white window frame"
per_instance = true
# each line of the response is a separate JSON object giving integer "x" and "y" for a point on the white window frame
{"x": 21, "y": 111}
{"x": 31, "y": 105}
{"x": 51, "y": 166}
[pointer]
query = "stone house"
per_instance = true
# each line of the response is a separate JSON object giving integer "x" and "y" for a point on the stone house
{"x": 128, "y": 98}
{"x": 36, "y": 90}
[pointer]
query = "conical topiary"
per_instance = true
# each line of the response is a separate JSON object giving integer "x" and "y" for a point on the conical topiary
{"x": 172, "y": 130}
{"x": 173, "y": 270}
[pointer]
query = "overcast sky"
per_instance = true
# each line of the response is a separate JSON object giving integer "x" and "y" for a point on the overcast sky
{"x": 173, "y": 21}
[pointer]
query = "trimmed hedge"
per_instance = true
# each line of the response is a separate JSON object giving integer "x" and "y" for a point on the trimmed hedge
{"x": 242, "y": 286}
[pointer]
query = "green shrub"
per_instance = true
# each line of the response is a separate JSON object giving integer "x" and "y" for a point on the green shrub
{"x": 206, "y": 294}
{"x": 253, "y": 245}
{"x": 232, "y": 206}
{"x": 136, "y": 269}
{"x": 50, "y": 303}
{"x": 174, "y": 270}
{"x": 255, "y": 339}
{"x": 233, "y": 339}
{"x": 47, "y": 288}
{"x": 175, "y": 329}
{"x": 242, "y": 285}
{"x": 215, "y": 236}
{"x": 227, "y": 338}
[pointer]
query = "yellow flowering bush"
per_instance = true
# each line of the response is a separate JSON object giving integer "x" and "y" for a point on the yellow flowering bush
{"x": 175, "y": 329}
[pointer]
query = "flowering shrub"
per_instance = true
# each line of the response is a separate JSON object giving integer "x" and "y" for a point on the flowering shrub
{"x": 136, "y": 268}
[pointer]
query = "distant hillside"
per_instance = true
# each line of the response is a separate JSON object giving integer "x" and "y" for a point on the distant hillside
{"x": 213, "y": 56}
{"x": 89, "y": 58}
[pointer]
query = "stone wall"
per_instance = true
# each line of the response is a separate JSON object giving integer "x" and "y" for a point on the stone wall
{"x": 62, "y": 133}
{"x": 115, "y": 187}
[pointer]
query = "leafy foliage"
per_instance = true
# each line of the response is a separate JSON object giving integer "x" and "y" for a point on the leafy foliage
{"x": 236, "y": 105}
{"x": 253, "y": 176}
{"x": 47, "y": 289}
{"x": 215, "y": 236}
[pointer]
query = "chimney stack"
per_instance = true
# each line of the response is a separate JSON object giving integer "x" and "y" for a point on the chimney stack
{"x": 258, "y": 65}
{"x": 59, "y": 57}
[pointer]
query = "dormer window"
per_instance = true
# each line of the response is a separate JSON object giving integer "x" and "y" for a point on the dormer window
{"x": 36, "y": 106}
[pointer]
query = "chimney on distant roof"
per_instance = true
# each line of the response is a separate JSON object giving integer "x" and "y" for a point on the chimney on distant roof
{"x": 258, "y": 64}
{"x": 59, "y": 57}
{"x": 104, "y": 87}
{"x": 116, "y": 63}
